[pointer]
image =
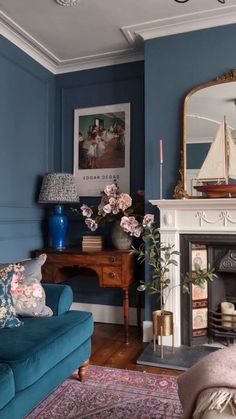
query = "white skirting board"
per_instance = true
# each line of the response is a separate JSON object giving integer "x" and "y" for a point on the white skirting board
{"x": 147, "y": 331}
{"x": 108, "y": 314}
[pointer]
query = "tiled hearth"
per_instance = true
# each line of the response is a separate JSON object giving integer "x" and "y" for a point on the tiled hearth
{"x": 216, "y": 217}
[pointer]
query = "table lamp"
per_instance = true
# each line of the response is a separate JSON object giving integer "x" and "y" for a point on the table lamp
{"x": 58, "y": 189}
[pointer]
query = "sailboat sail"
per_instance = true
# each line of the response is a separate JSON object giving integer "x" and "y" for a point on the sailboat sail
{"x": 216, "y": 167}
{"x": 232, "y": 155}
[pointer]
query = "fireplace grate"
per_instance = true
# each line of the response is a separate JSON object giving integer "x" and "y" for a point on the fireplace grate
{"x": 222, "y": 325}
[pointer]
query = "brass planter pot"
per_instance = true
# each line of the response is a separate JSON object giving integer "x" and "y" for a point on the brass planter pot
{"x": 163, "y": 325}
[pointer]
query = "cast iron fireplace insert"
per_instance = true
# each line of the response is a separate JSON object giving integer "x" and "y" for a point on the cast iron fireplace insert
{"x": 221, "y": 254}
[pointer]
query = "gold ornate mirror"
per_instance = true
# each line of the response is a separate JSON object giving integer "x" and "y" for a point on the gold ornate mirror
{"x": 208, "y": 166}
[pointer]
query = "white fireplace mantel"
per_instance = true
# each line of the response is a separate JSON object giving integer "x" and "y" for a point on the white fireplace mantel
{"x": 191, "y": 216}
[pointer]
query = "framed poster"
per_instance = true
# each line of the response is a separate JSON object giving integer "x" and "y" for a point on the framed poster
{"x": 102, "y": 148}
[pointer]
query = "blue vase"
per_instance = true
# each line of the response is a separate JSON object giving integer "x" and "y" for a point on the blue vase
{"x": 58, "y": 227}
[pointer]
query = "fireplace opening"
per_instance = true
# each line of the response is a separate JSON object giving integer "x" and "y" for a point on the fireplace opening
{"x": 222, "y": 313}
{"x": 209, "y": 315}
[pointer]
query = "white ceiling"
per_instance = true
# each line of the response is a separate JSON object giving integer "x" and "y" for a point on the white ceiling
{"x": 102, "y": 32}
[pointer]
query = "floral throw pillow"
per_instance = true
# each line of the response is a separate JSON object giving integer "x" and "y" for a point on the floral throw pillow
{"x": 7, "y": 311}
{"x": 28, "y": 294}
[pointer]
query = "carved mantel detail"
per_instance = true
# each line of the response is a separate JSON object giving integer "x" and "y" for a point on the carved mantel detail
{"x": 223, "y": 216}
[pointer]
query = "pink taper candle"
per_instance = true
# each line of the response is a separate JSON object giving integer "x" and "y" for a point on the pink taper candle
{"x": 161, "y": 152}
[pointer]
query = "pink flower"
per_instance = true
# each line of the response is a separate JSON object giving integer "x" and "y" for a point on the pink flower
{"x": 14, "y": 282}
{"x": 18, "y": 292}
{"x": 92, "y": 225}
{"x": 104, "y": 201}
{"x": 86, "y": 211}
{"x": 124, "y": 201}
{"x": 114, "y": 205}
{"x": 27, "y": 289}
{"x": 18, "y": 268}
{"x": 107, "y": 209}
{"x": 125, "y": 224}
{"x": 37, "y": 291}
{"x": 148, "y": 219}
{"x": 111, "y": 190}
{"x": 131, "y": 225}
{"x": 137, "y": 231}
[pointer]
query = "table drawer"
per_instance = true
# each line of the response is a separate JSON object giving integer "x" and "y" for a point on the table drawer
{"x": 111, "y": 260}
{"x": 111, "y": 276}
{"x": 85, "y": 259}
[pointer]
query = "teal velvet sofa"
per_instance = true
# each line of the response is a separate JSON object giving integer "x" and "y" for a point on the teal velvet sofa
{"x": 37, "y": 357}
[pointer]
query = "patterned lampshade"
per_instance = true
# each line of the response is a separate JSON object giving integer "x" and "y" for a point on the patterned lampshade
{"x": 58, "y": 188}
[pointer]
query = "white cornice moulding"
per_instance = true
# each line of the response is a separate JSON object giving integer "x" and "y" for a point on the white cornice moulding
{"x": 101, "y": 60}
{"x": 22, "y": 39}
{"x": 134, "y": 35}
{"x": 180, "y": 24}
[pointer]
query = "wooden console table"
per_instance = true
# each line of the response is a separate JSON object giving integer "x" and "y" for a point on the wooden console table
{"x": 114, "y": 268}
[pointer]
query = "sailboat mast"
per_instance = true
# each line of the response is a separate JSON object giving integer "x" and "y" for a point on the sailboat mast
{"x": 226, "y": 153}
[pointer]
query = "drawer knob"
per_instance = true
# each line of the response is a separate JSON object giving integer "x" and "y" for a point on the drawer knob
{"x": 112, "y": 275}
{"x": 112, "y": 259}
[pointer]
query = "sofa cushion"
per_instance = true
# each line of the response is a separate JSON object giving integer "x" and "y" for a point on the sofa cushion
{"x": 41, "y": 343}
{"x": 28, "y": 294}
{"x": 7, "y": 311}
{"x": 27, "y": 291}
{"x": 7, "y": 386}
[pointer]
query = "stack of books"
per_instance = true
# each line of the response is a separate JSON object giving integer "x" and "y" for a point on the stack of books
{"x": 92, "y": 243}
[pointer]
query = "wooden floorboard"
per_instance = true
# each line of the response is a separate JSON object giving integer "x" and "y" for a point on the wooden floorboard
{"x": 109, "y": 349}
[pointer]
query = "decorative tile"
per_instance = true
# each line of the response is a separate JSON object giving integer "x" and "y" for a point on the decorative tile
{"x": 200, "y": 318}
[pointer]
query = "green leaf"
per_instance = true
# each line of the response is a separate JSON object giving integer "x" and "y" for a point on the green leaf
{"x": 185, "y": 289}
{"x": 173, "y": 262}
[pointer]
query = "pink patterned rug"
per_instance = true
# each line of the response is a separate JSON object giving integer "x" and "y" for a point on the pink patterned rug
{"x": 110, "y": 393}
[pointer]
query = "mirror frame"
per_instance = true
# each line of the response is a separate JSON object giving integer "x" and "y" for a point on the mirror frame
{"x": 180, "y": 191}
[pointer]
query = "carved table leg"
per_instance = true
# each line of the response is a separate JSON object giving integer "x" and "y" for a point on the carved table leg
{"x": 139, "y": 310}
{"x": 82, "y": 371}
{"x": 126, "y": 314}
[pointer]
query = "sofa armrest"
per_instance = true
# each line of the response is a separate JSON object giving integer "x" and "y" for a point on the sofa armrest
{"x": 58, "y": 297}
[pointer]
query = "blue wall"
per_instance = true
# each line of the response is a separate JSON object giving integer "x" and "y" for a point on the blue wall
{"x": 196, "y": 154}
{"x": 37, "y": 117}
{"x": 173, "y": 66}
{"x": 104, "y": 86}
{"x": 30, "y": 146}
{"x": 26, "y": 144}
{"x": 98, "y": 87}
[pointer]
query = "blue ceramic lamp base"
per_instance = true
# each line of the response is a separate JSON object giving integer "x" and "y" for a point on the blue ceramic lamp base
{"x": 58, "y": 227}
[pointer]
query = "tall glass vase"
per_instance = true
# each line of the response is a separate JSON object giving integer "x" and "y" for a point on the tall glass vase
{"x": 120, "y": 239}
{"x": 58, "y": 227}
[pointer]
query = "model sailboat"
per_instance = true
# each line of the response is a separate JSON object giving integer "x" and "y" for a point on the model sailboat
{"x": 219, "y": 166}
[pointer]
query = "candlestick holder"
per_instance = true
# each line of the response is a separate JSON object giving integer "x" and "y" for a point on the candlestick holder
{"x": 161, "y": 164}
{"x": 161, "y": 180}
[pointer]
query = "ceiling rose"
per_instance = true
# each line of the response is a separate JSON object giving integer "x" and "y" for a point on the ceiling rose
{"x": 185, "y": 1}
{"x": 67, "y": 2}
